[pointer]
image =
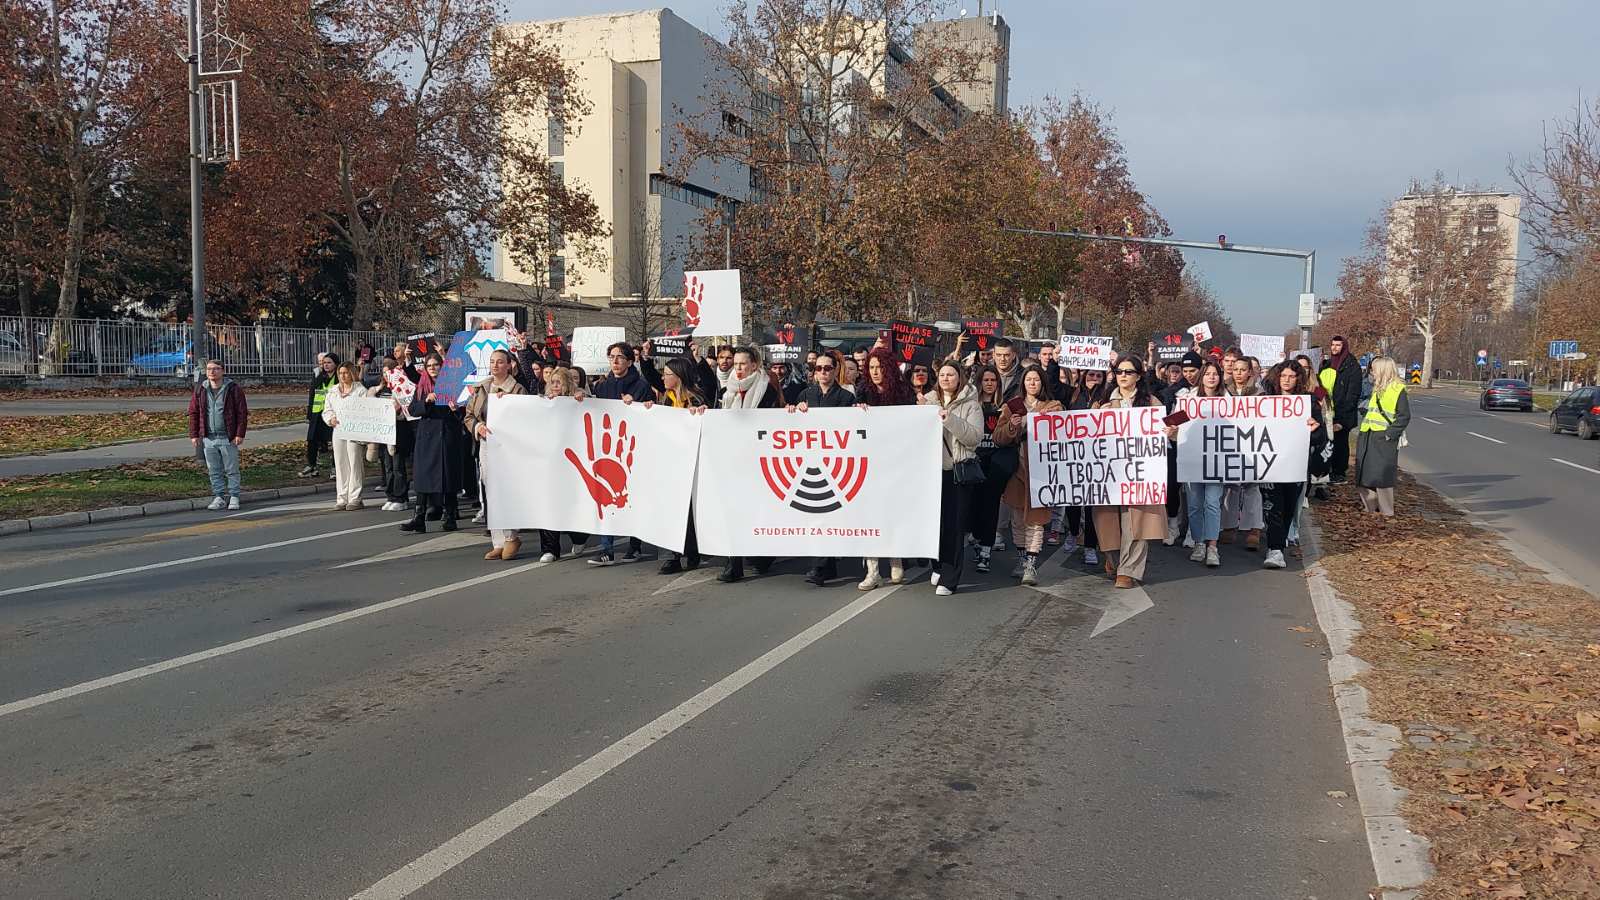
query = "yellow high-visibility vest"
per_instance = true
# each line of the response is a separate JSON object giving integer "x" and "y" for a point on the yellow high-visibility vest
{"x": 1381, "y": 409}
{"x": 1327, "y": 377}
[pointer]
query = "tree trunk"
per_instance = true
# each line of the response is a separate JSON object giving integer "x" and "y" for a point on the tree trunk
{"x": 24, "y": 276}
{"x": 71, "y": 264}
{"x": 1427, "y": 355}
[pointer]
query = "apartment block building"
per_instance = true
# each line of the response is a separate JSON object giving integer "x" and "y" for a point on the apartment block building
{"x": 1478, "y": 213}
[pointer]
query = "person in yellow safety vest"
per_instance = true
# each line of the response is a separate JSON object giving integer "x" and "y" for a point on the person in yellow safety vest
{"x": 318, "y": 432}
{"x": 1382, "y": 434}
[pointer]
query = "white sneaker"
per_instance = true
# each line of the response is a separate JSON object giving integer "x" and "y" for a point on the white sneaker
{"x": 1172, "y": 532}
{"x": 934, "y": 579}
{"x": 480, "y": 518}
{"x": 233, "y": 502}
{"x": 1274, "y": 560}
{"x": 943, "y": 591}
{"x": 1069, "y": 543}
{"x": 1091, "y": 556}
{"x": 1212, "y": 559}
{"x": 217, "y": 503}
{"x": 548, "y": 558}
{"x": 1199, "y": 554}
{"x": 1030, "y": 574}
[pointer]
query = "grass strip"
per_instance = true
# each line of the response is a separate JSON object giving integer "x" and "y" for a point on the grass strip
{"x": 271, "y": 466}
{"x": 23, "y": 435}
{"x": 1493, "y": 675}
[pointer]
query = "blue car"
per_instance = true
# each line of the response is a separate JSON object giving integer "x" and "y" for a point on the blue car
{"x": 168, "y": 355}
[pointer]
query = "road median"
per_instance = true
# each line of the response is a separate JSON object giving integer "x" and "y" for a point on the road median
{"x": 29, "y": 435}
{"x": 1482, "y": 678}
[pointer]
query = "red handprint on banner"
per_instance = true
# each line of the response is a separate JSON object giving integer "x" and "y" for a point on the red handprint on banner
{"x": 608, "y": 482}
{"x": 694, "y": 295}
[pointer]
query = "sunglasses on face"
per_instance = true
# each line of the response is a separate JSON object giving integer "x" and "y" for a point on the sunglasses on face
{"x": 1127, "y": 371}
{"x": 822, "y": 368}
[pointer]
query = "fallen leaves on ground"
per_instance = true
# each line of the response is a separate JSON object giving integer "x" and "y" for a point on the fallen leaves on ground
{"x": 153, "y": 390}
{"x": 21, "y": 435}
{"x": 1493, "y": 674}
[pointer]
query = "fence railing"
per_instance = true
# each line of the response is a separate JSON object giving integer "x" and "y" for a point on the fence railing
{"x": 108, "y": 348}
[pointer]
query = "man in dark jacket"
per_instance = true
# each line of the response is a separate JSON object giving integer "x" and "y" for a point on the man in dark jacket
{"x": 625, "y": 379}
{"x": 1008, "y": 364}
{"x": 218, "y": 417}
{"x": 1341, "y": 378}
{"x": 824, "y": 392}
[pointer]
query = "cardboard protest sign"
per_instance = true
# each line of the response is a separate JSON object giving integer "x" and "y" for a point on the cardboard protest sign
{"x": 911, "y": 342}
{"x": 1085, "y": 352}
{"x": 1100, "y": 457}
{"x": 783, "y": 353}
{"x": 1201, "y": 332}
{"x": 480, "y": 346}
{"x": 1268, "y": 348}
{"x": 422, "y": 344}
{"x": 980, "y": 333}
{"x": 401, "y": 389}
{"x": 828, "y": 482}
{"x": 597, "y": 467}
{"x": 1171, "y": 347}
{"x": 669, "y": 346}
{"x": 712, "y": 303}
{"x": 458, "y": 367}
{"x": 589, "y": 345}
{"x": 1244, "y": 440}
{"x": 366, "y": 419}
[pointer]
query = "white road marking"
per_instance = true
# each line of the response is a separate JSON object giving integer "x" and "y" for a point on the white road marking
{"x": 148, "y": 567}
{"x": 202, "y": 655}
{"x": 1116, "y": 605}
{"x": 1575, "y": 465}
{"x": 1486, "y": 437}
{"x": 424, "y": 869}
{"x": 291, "y": 507}
{"x": 1434, "y": 421}
{"x": 687, "y": 579}
{"x": 446, "y": 541}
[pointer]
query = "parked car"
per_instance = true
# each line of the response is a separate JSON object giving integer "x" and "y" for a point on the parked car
{"x": 1579, "y": 413}
{"x": 169, "y": 354}
{"x": 13, "y": 355}
{"x": 1506, "y": 392}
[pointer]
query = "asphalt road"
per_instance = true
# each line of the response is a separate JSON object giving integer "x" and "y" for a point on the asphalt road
{"x": 475, "y": 729}
{"x": 1506, "y": 467}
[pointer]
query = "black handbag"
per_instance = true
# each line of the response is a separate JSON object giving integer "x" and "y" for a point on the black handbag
{"x": 968, "y": 471}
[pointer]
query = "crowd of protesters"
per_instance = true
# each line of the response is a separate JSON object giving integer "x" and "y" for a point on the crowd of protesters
{"x": 983, "y": 399}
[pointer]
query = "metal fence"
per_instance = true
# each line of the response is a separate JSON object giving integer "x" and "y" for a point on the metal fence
{"x": 107, "y": 348}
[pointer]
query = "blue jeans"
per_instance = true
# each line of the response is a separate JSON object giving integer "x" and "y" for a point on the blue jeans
{"x": 1205, "y": 510}
{"x": 608, "y": 544}
{"x": 222, "y": 464}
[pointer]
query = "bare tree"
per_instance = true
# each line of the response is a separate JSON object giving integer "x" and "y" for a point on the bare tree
{"x": 1561, "y": 187}
{"x": 648, "y": 261}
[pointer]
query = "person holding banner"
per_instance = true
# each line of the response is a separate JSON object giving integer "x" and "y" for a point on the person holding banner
{"x": 962, "y": 417}
{"x": 559, "y": 381}
{"x": 679, "y": 392}
{"x": 437, "y": 456}
{"x": 504, "y": 542}
{"x": 883, "y": 386}
{"x": 1091, "y": 388}
{"x": 824, "y": 392}
{"x": 1282, "y": 500}
{"x": 1241, "y": 503}
{"x": 348, "y": 456}
{"x": 1204, "y": 498}
{"x": 1378, "y": 444}
{"x": 1027, "y": 521}
{"x": 1128, "y": 530}
{"x": 749, "y": 387}
{"x": 396, "y": 459}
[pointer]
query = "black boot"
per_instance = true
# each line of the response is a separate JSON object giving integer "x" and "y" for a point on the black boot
{"x": 672, "y": 566}
{"x": 732, "y": 572}
{"x": 417, "y": 523}
{"x": 761, "y": 564}
{"x": 449, "y": 523}
{"x": 692, "y": 561}
{"x": 435, "y": 514}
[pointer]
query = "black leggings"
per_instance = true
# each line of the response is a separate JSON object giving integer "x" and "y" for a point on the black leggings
{"x": 550, "y": 541}
{"x": 1280, "y": 503}
{"x": 1085, "y": 516}
{"x": 318, "y": 435}
{"x": 955, "y": 504}
{"x": 986, "y": 509}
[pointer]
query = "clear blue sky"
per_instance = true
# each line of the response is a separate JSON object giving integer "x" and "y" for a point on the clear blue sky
{"x": 1287, "y": 124}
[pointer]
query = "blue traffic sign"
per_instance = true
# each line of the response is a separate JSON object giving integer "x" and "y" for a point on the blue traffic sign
{"x": 1559, "y": 349}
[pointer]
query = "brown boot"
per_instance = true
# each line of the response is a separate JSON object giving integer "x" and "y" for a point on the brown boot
{"x": 1252, "y": 541}
{"x": 494, "y": 553}
{"x": 509, "y": 550}
{"x": 1226, "y": 537}
{"x": 1125, "y": 582}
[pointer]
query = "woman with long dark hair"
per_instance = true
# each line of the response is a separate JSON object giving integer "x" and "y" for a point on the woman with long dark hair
{"x": 1128, "y": 530}
{"x": 881, "y": 385}
{"x": 680, "y": 390}
{"x": 1281, "y": 500}
{"x": 1204, "y": 499}
{"x": 961, "y": 416}
{"x": 1027, "y": 521}
{"x": 999, "y": 464}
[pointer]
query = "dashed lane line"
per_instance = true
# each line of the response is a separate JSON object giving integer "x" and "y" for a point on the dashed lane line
{"x": 1486, "y": 437}
{"x": 1575, "y": 465}
{"x": 85, "y": 687}
{"x": 1434, "y": 421}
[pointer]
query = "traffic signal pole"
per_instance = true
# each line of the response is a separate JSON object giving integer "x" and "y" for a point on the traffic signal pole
{"x": 1309, "y": 257}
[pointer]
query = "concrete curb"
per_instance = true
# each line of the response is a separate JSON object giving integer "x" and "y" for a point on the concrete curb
{"x": 160, "y": 507}
{"x": 1399, "y": 856}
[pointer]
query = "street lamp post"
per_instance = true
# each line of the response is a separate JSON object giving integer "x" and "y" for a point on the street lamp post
{"x": 197, "y": 243}
{"x": 1309, "y": 257}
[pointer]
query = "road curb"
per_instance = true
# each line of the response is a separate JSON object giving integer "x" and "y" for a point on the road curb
{"x": 161, "y": 507}
{"x": 1399, "y": 855}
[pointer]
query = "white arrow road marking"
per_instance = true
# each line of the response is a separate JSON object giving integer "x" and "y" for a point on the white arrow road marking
{"x": 1116, "y": 605}
{"x": 418, "y": 873}
{"x": 291, "y": 507}
{"x": 1575, "y": 465}
{"x": 1486, "y": 437}
{"x": 432, "y": 545}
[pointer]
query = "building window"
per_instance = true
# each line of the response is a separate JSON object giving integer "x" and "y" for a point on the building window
{"x": 1488, "y": 218}
{"x": 735, "y": 125}
{"x": 558, "y": 137}
{"x": 559, "y": 170}
{"x": 558, "y": 273}
{"x": 698, "y": 197}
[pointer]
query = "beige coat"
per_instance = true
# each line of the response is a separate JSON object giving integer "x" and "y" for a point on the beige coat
{"x": 478, "y": 402}
{"x": 963, "y": 425}
{"x": 1011, "y": 430}
{"x": 1149, "y": 522}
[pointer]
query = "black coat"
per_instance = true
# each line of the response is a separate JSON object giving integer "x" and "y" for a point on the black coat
{"x": 631, "y": 383}
{"x": 1346, "y": 397}
{"x": 813, "y": 396}
{"x": 439, "y": 445}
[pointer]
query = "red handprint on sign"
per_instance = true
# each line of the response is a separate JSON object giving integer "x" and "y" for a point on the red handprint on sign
{"x": 694, "y": 294}
{"x": 608, "y": 482}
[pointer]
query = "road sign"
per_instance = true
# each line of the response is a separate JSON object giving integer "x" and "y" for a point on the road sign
{"x": 1416, "y": 375}
{"x": 1483, "y": 354}
{"x": 1575, "y": 356}
{"x": 1482, "y": 361}
{"x": 1519, "y": 363}
{"x": 1559, "y": 349}
{"x": 1308, "y": 310}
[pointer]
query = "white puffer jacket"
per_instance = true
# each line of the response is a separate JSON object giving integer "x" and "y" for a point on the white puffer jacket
{"x": 963, "y": 425}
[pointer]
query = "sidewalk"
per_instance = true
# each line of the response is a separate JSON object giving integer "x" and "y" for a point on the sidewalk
{"x": 74, "y": 406}
{"x": 120, "y": 454}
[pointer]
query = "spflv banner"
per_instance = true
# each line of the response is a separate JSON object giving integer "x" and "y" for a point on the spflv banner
{"x": 828, "y": 482}
{"x": 1097, "y": 457}
{"x": 1244, "y": 440}
{"x": 596, "y": 466}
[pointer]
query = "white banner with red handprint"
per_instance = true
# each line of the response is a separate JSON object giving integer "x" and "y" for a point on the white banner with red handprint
{"x": 828, "y": 482}
{"x": 598, "y": 467}
{"x": 712, "y": 304}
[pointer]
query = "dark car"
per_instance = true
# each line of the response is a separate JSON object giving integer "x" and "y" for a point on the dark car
{"x": 1502, "y": 393}
{"x": 1579, "y": 413}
